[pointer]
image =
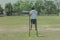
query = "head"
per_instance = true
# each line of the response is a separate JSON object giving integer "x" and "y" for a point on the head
{"x": 32, "y": 8}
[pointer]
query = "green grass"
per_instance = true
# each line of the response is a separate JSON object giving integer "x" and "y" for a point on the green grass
{"x": 48, "y": 20}
{"x": 24, "y": 20}
{"x": 19, "y": 21}
{"x": 47, "y": 35}
{"x": 12, "y": 20}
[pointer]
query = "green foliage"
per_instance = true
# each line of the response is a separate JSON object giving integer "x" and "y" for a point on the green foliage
{"x": 38, "y": 5}
{"x": 27, "y": 5}
{"x": 47, "y": 7}
{"x": 8, "y": 9}
{"x": 1, "y": 11}
{"x": 51, "y": 7}
{"x": 16, "y": 8}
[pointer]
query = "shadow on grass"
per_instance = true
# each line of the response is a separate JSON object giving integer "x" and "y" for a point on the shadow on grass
{"x": 38, "y": 36}
{"x": 41, "y": 36}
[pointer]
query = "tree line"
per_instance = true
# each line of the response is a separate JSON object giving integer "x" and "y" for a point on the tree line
{"x": 43, "y": 7}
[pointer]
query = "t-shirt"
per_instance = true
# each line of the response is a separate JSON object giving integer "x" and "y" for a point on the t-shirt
{"x": 33, "y": 14}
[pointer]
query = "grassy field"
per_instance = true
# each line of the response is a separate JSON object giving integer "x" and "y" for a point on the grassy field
{"x": 10, "y": 22}
{"x": 24, "y": 20}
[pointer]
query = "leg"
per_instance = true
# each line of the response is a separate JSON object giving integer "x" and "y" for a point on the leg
{"x": 36, "y": 29}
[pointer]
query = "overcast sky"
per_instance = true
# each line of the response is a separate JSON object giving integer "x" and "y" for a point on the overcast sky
{"x": 2, "y": 2}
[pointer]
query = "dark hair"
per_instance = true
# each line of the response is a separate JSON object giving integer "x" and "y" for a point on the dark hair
{"x": 32, "y": 8}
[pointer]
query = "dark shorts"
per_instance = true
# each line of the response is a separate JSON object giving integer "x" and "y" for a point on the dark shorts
{"x": 33, "y": 21}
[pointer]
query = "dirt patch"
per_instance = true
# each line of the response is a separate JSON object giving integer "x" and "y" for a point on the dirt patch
{"x": 26, "y": 28}
{"x": 53, "y": 29}
{"x": 18, "y": 29}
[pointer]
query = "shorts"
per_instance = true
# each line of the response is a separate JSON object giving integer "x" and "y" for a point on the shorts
{"x": 33, "y": 21}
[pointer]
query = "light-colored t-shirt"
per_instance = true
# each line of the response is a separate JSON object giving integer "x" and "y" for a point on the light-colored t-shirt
{"x": 33, "y": 14}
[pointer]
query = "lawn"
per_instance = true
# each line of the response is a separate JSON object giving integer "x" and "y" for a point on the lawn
{"x": 43, "y": 35}
{"x": 23, "y": 21}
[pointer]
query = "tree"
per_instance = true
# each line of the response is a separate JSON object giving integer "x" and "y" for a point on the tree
{"x": 38, "y": 5}
{"x": 8, "y": 9}
{"x": 18, "y": 7}
{"x": 1, "y": 11}
{"x": 27, "y": 5}
{"x": 50, "y": 7}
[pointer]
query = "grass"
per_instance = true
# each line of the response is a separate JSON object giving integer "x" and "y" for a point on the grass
{"x": 24, "y": 20}
{"x": 48, "y": 20}
{"x": 47, "y": 35}
{"x": 19, "y": 21}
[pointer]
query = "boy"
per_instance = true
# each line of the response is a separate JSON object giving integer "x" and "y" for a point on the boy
{"x": 33, "y": 19}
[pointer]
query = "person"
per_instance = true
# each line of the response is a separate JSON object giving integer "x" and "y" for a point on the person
{"x": 33, "y": 19}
